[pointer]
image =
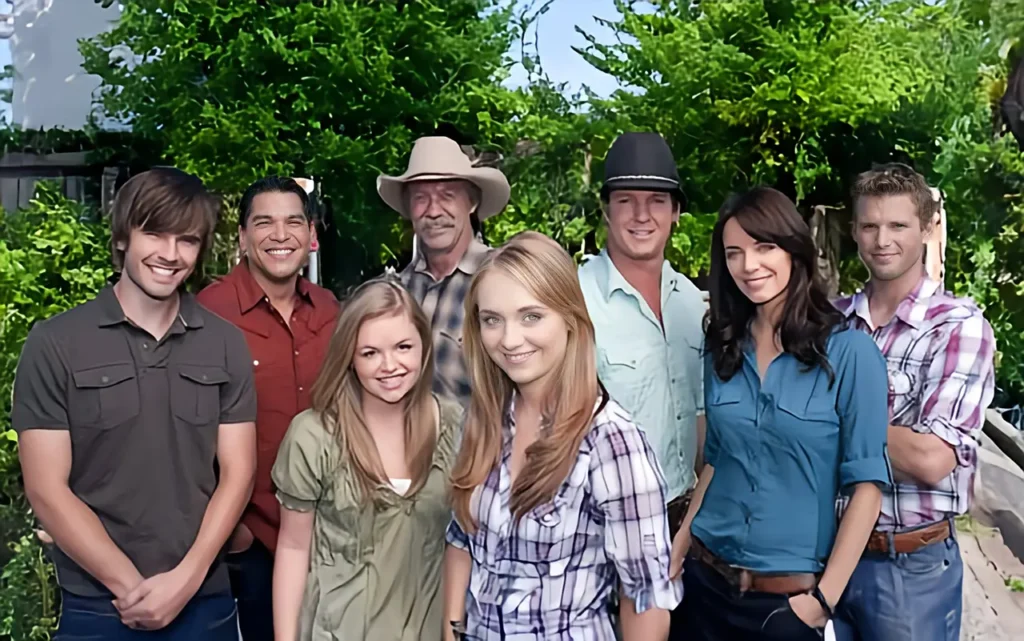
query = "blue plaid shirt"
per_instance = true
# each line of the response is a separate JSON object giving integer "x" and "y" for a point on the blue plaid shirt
{"x": 552, "y": 575}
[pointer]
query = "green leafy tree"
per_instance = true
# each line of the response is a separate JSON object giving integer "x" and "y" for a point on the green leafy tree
{"x": 805, "y": 95}
{"x": 337, "y": 90}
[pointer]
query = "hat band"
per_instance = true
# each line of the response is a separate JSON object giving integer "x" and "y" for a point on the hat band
{"x": 644, "y": 177}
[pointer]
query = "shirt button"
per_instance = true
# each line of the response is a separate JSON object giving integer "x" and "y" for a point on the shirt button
{"x": 145, "y": 346}
{"x": 679, "y": 417}
{"x": 255, "y": 363}
{"x": 300, "y": 388}
{"x": 104, "y": 379}
{"x": 296, "y": 352}
{"x": 204, "y": 377}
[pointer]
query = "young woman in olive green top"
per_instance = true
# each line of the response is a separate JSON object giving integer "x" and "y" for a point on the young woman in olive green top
{"x": 362, "y": 480}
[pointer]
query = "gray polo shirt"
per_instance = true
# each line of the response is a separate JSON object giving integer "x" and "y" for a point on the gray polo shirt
{"x": 143, "y": 416}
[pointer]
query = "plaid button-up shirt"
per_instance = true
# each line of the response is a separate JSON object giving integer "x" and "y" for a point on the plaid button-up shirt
{"x": 551, "y": 576}
{"x": 442, "y": 302}
{"x": 939, "y": 352}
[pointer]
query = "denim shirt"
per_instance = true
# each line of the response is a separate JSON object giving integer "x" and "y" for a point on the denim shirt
{"x": 783, "y": 448}
{"x": 654, "y": 372}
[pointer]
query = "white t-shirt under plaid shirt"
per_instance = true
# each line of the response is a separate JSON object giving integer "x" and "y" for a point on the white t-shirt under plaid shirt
{"x": 552, "y": 575}
{"x": 939, "y": 353}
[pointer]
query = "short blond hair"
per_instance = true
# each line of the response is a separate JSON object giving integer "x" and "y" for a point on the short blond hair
{"x": 897, "y": 179}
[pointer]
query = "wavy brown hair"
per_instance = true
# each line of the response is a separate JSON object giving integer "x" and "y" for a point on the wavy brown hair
{"x": 337, "y": 394}
{"x": 549, "y": 274}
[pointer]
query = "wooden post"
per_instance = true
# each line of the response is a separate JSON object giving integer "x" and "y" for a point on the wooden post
{"x": 825, "y": 231}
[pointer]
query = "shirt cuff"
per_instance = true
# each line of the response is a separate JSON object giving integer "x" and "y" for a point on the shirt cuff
{"x": 963, "y": 448}
{"x": 243, "y": 416}
{"x": 664, "y": 594}
{"x": 865, "y": 470}
{"x": 455, "y": 537}
{"x": 295, "y": 504}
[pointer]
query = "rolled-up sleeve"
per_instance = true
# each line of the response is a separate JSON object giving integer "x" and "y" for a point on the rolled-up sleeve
{"x": 862, "y": 401}
{"x": 456, "y": 536}
{"x": 959, "y": 386}
{"x": 298, "y": 470}
{"x": 629, "y": 488}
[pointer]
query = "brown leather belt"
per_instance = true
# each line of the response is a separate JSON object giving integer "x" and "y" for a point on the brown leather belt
{"x": 907, "y": 542}
{"x": 750, "y": 581}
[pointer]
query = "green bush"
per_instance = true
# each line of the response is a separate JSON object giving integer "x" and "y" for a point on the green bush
{"x": 53, "y": 256}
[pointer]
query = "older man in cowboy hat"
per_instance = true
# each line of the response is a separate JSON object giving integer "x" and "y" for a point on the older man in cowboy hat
{"x": 445, "y": 197}
{"x": 647, "y": 316}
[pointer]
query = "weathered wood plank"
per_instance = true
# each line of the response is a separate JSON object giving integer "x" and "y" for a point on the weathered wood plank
{"x": 995, "y": 612}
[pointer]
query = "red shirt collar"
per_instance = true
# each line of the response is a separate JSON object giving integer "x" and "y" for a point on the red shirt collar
{"x": 250, "y": 293}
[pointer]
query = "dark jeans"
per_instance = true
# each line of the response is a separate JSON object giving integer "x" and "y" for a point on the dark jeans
{"x": 252, "y": 578}
{"x": 676, "y": 513}
{"x": 205, "y": 618}
{"x": 714, "y": 610}
{"x": 904, "y": 597}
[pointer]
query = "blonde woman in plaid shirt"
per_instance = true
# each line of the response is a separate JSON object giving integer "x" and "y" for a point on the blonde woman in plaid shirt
{"x": 939, "y": 354}
{"x": 559, "y": 501}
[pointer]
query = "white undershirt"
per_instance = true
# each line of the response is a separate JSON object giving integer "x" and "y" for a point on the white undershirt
{"x": 400, "y": 486}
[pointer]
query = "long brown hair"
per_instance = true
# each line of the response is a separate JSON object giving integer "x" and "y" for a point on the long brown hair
{"x": 337, "y": 394}
{"x": 548, "y": 273}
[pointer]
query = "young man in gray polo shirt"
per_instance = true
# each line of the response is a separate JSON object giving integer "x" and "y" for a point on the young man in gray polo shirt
{"x": 135, "y": 416}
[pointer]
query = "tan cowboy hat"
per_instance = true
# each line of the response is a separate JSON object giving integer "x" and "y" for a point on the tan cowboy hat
{"x": 441, "y": 158}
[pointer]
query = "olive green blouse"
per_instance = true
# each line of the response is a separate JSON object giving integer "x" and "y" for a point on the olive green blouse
{"x": 375, "y": 570}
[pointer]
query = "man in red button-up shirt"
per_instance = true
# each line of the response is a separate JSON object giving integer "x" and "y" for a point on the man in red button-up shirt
{"x": 287, "y": 322}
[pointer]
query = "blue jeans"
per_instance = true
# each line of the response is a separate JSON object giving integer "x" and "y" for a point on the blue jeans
{"x": 904, "y": 597}
{"x": 206, "y": 618}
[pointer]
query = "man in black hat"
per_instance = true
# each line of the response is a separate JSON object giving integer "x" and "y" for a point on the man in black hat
{"x": 647, "y": 316}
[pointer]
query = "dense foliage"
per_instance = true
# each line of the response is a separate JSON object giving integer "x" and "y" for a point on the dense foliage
{"x": 801, "y": 95}
{"x": 52, "y": 257}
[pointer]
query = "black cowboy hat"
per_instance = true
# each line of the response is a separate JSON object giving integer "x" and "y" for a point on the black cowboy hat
{"x": 641, "y": 160}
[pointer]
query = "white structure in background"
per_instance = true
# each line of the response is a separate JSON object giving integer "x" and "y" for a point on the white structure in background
{"x": 50, "y": 88}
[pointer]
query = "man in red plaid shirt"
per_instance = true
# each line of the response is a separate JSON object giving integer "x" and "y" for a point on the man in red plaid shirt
{"x": 939, "y": 350}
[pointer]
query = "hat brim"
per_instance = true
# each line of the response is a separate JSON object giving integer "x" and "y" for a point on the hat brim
{"x": 494, "y": 189}
{"x": 641, "y": 184}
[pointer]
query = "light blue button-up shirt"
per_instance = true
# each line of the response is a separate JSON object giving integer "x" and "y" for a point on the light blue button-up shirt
{"x": 654, "y": 373}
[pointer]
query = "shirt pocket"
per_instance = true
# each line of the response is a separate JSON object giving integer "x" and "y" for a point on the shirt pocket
{"x": 105, "y": 396}
{"x": 623, "y": 371}
{"x": 805, "y": 423}
{"x": 195, "y": 393}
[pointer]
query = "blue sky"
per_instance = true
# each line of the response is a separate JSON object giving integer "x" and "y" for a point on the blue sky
{"x": 556, "y": 35}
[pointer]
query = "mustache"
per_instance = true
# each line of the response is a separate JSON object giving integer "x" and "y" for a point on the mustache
{"x": 437, "y": 225}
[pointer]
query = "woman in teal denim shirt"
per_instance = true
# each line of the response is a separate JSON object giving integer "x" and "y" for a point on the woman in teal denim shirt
{"x": 796, "y": 413}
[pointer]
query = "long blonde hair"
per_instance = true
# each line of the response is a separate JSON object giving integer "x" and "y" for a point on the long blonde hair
{"x": 337, "y": 394}
{"x": 549, "y": 274}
